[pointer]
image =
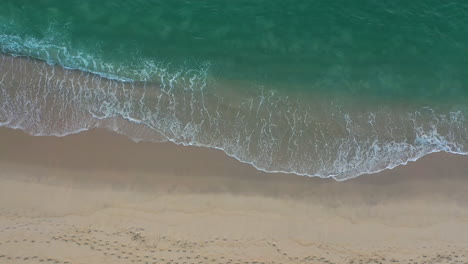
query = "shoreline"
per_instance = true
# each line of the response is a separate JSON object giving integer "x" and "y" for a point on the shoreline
{"x": 261, "y": 129}
{"x": 159, "y": 199}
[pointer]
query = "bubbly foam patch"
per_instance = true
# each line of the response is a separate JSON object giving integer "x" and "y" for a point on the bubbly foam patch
{"x": 55, "y": 51}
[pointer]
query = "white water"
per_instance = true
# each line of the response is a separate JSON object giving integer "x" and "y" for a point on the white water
{"x": 274, "y": 133}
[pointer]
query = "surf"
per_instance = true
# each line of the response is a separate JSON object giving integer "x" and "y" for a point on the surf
{"x": 271, "y": 132}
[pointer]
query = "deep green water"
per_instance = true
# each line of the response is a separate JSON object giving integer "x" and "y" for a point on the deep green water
{"x": 364, "y": 58}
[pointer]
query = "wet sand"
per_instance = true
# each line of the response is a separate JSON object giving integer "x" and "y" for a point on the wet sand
{"x": 98, "y": 197}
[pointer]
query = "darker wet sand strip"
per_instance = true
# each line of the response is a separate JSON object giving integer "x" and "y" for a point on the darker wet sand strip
{"x": 103, "y": 157}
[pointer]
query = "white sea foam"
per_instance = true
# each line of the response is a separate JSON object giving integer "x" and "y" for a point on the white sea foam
{"x": 274, "y": 133}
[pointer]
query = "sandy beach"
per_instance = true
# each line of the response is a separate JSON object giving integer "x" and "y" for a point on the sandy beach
{"x": 233, "y": 132}
{"x": 98, "y": 197}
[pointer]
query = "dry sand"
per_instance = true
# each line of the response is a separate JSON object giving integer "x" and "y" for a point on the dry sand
{"x": 97, "y": 197}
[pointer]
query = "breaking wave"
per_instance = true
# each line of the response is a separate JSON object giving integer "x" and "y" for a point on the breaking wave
{"x": 311, "y": 135}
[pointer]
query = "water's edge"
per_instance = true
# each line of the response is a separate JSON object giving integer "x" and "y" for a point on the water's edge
{"x": 262, "y": 130}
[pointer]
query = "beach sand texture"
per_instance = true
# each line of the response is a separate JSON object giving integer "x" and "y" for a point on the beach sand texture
{"x": 97, "y": 197}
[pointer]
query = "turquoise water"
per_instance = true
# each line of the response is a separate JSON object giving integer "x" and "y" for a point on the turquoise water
{"x": 317, "y": 88}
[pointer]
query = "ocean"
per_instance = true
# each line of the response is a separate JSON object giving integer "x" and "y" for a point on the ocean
{"x": 315, "y": 88}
